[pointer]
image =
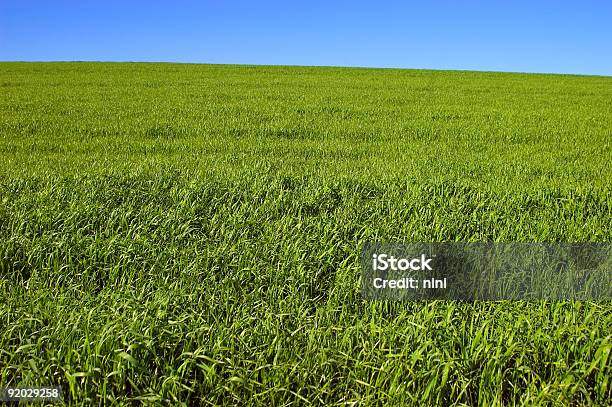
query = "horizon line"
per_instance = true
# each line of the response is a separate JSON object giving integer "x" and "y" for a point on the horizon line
{"x": 304, "y": 66}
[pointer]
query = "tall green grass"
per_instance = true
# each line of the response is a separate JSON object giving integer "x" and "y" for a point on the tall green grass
{"x": 191, "y": 233}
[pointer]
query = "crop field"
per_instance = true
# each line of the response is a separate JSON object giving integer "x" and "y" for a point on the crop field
{"x": 190, "y": 234}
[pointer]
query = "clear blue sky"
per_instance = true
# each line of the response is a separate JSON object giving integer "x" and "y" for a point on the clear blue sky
{"x": 525, "y": 36}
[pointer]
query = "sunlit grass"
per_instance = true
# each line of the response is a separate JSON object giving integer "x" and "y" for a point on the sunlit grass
{"x": 191, "y": 233}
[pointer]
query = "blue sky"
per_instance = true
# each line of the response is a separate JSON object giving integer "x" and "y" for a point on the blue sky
{"x": 523, "y": 36}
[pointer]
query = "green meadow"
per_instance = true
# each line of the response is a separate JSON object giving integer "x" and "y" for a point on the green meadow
{"x": 190, "y": 234}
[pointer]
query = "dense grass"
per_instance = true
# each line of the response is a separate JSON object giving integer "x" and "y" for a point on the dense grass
{"x": 191, "y": 233}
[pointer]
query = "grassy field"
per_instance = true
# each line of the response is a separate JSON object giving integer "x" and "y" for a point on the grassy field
{"x": 191, "y": 233}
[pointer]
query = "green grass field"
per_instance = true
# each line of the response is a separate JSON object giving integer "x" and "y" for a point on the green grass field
{"x": 191, "y": 233}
